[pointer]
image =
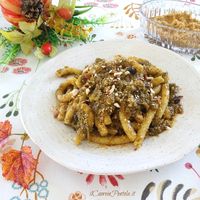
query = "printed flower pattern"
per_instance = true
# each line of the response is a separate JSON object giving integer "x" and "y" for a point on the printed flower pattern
{"x": 10, "y": 101}
{"x": 110, "y": 5}
{"x": 19, "y": 165}
{"x": 102, "y": 4}
{"x": 77, "y": 196}
{"x": 190, "y": 167}
{"x": 5, "y": 146}
{"x": 104, "y": 1}
{"x": 5, "y": 130}
{"x": 132, "y": 10}
{"x": 103, "y": 179}
{"x": 4, "y": 69}
{"x": 39, "y": 189}
{"x": 18, "y": 62}
{"x": 190, "y": 1}
{"x": 21, "y": 70}
{"x": 18, "y": 66}
{"x": 94, "y": 4}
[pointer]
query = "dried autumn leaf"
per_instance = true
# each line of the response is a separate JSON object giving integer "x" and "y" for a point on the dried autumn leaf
{"x": 6, "y": 146}
{"x": 5, "y": 130}
{"x": 18, "y": 166}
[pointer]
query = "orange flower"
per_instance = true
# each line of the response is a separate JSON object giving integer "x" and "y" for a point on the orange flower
{"x": 5, "y": 130}
{"x": 18, "y": 166}
{"x": 77, "y": 196}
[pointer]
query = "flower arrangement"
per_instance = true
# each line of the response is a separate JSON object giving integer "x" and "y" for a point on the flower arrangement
{"x": 40, "y": 26}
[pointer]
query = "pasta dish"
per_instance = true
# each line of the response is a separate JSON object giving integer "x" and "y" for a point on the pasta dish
{"x": 116, "y": 102}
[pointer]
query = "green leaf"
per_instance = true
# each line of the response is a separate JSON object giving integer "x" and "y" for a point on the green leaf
{"x": 47, "y": 35}
{"x": 11, "y": 104}
{"x": 8, "y": 114}
{"x": 16, "y": 113}
{"x": 5, "y": 96}
{"x": 91, "y": 38}
{"x": 11, "y": 28}
{"x": 198, "y": 57}
{"x": 53, "y": 38}
{"x": 2, "y": 41}
{"x": 2, "y": 106}
{"x": 80, "y": 12}
{"x": 97, "y": 21}
{"x": 11, "y": 51}
{"x": 193, "y": 58}
{"x": 82, "y": 6}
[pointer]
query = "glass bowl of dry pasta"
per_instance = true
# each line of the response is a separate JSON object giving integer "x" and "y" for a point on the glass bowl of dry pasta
{"x": 118, "y": 108}
{"x": 173, "y": 24}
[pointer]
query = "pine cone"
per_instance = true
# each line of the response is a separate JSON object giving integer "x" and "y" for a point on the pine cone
{"x": 32, "y": 9}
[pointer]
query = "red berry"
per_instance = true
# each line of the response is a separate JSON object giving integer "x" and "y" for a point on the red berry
{"x": 65, "y": 13}
{"x": 46, "y": 48}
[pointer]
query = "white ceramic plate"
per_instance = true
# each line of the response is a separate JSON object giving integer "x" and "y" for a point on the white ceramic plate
{"x": 56, "y": 139}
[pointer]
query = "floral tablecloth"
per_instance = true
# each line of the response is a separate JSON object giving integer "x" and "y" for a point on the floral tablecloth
{"x": 178, "y": 181}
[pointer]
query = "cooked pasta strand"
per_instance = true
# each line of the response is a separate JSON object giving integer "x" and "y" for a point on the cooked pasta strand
{"x": 70, "y": 113}
{"x": 107, "y": 119}
{"x": 139, "y": 68}
{"x": 164, "y": 101}
{"x": 144, "y": 128}
{"x": 128, "y": 129}
{"x": 157, "y": 81}
{"x": 157, "y": 89}
{"x": 61, "y": 94}
{"x": 110, "y": 140}
{"x": 66, "y": 71}
{"x": 103, "y": 131}
{"x": 62, "y": 111}
{"x": 80, "y": 136}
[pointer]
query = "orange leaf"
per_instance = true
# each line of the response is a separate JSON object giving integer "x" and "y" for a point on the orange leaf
{"x": 18, "y": 166}
{"x": 5, "y": 130}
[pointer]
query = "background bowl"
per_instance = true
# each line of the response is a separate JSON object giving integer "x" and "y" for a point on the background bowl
{"x": 179, "y": 40}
